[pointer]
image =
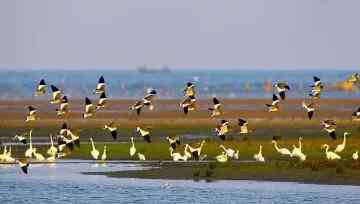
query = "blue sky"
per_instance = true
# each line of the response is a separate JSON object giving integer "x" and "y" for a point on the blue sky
{"x": 233, "y": 34}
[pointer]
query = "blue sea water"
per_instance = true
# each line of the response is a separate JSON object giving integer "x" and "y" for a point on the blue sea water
{"x": 64, "y": 183}
{"x": 132, "y": 84}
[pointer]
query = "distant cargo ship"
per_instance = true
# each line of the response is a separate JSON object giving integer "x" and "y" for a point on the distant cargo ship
{"x": 146, "y": 69}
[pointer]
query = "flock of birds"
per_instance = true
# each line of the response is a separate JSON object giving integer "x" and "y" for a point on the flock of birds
{"x": 67, "y": 140}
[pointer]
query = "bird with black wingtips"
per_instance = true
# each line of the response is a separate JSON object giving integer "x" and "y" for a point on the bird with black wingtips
{"x": 281, "y": 88}
{"x": 274, "y": 106}
{"x": 309, "y": 108}
{"x": 330, "y": 127}
{"x": 149, "y": 98}
{"x": 89, "y": 108}
{"x": 64, "y": 107}
{"x": 24, "y": 165}
{"x": 21, "y": 138}
{"x": 41, "y": 88}
{"x": 216, "y": 110}
{"x": 317, "y": 83}
{"x": 356, "y": 115}
{"x": 64, "y": 129}
{"x": 112, "y": 128}
{"x": 195, "y": 152}
{"x": 222, "y": 129}
{"x": 32, "y": 114}
{"x": 188, "y": 104}
{"x": 102, "y": 101}
{"x": 243, "y": 126}
{"x": 56, "y": 95}
{"x": 173, "y": 141}
{"x": 75, "y": 138}
{"x": 145, "y": 133}
{"x": 190, "y": 89}
{"x": 100, "y": 87}
{"x": 354, "y": 78}
{"x": 137, "y": 106}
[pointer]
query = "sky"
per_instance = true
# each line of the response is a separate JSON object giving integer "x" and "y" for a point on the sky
{"x": 186, "y": 34}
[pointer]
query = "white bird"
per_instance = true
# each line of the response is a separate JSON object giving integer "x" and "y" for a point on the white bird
{"x": 52, "y": 151}
{"x": 259, "y": 157}
{"x": 94, "y": 152}
{"x": 103, "y": 101}
{"x": 282, "y": 151}
{"x": 141, "y": 156}
{"x": 149, "y": 98}
{"x": 189, "y": 89}
{"x": 222, "y": 157}
{"x": 41, "y": 88}
{"x": 196, "y": 152}
{"x": 274, "y": 106}
{"x": 38, "y": 156}
{"x": 132, "y": 148}
{"x": 281, "y": 88}
{"x": 356, "y": 115}
{"x": 316, "y": 88}
{"x": 103, "y": 156}
{"x": 296, "y": 152}
{"x": 177, "y": 156}
{"x": 229, "y": 152}
{"x": 341, "y": 146}
{"x": 355, "y": 155}
{"x": 216, "y": 110}
{"x": 3, "y": 155}
{"x": 188, "y": 104}
{"x": 89, "y": 108}
{"x": 309, "y": 109}
{"x": 145, "y": 133}
{"x": 100, "y": 87}
{"x": 137, "y": 106}
{"x": 330, "y": 155}
{"x": 21, "y": 138}
{"x": 243, "y": 126}
{"x": 64, "y": 107}
{"x": 8, "y": 158}
{"x": 354, "y": 78}
{"x": 32, "y": 114}
{"x": 56, "y": 95}
{"x": 112, "y": 128}
{"x": 29, "y": 151}
{"x": 173, "y": 142}
{"x": 223, "y": 129}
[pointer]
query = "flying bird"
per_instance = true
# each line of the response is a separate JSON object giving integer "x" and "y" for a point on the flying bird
{"x": 173, "y": 141}
{"x": 309, "y": 109}
{"x": 216, "y": 110}
{"x": 223, "y": 129}
{"x": 102, "y": 101}
{"x": 274, "y": 106}
{"x": 112, "y": 128}
{"x": 137, "y": 106}
{"x": 64, "y": 107}
{"x": 330, "y": 126}
{"x": 189, "y": 90}
{"x": 356, "y": 115}
{"x": 243, "y": 126}
{"x": 56, "y": 95}
{"x": 89, "y": 108}
{"x": 100, "y": 87}
{"x": 32, "y": 114}
{"x": 41, "y": 88}
{"x": 188, "y": 104}
{"x": 149, "y": 98}
{"x": 145, "y": 133}
{"x": 281, "y": 88}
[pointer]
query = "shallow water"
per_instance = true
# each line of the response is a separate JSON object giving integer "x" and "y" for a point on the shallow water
{"x": 65, "y": 183}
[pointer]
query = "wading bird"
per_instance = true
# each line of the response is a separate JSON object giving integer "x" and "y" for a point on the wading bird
{"x": 141, "y": 156}
{"x": 341, "y": 146}
{"x": 330, "y": 155}
{"x": 216, "y": 110}
{"x": 196, "y": 152}
{"x": 222, "y": 158}
{"x": 259, "y": 157}
{"x": 94, "y": 152}
{"x": 52, "y": 151}
{"x": 230, "y": 152}
{"x": 29, "y": 151}
{"x": 41, "y": 88}
{"x": 355, "y": 155}
{"x": 103, "y": 156}
{"x": 274, "y": 106}
{"x": 282, "y": 151}
{"x": 38, "y": 156}
{"x": 132, "y": 150}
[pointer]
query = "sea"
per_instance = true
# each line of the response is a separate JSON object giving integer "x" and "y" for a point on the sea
{"x": 17, "y": 85}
